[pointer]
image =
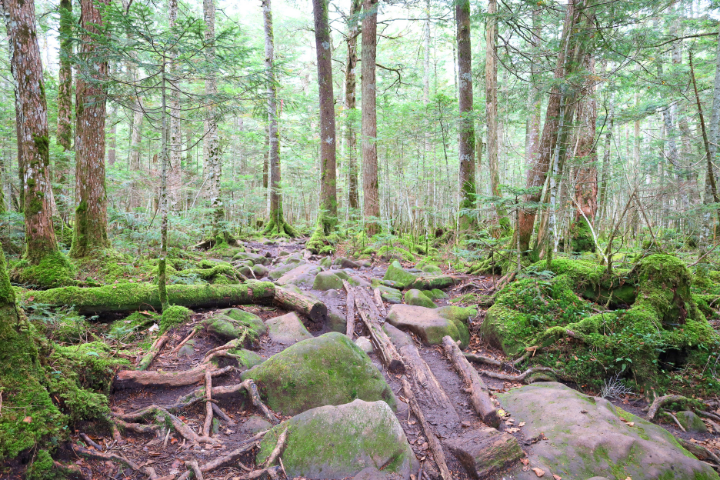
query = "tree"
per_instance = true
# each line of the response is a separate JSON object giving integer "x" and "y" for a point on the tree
{"x": 371, "y": 195}
{"x": 211, "y": 143}
{"x": 327, "y": 215}
{"x": 90, "y": 232}
{"x": 350, "y": 110}
{"x": 175, "y": 174}
{"x": 466, "y": 145}
{"x": 41, "y": 249}
{"x": 277, "y": 221}
{"x": 64, "y": 121}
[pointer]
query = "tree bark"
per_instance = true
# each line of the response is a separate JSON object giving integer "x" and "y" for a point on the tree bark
{"x": 586, "y": 188}
{"x": 466, "y": 144}
{"x": 31, "y": 111}
{"x": 175, "y": 174}
{"x": 371, "y": 208}
{"x": 90, "y": 231}
{"x": 211, "y": 142}
{"x": 64, "y": 101}
{"x": 350, "y": 84}
{"x": 328, "y": 191}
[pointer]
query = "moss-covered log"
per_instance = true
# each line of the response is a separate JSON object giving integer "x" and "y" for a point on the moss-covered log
{"x": 129, "y": 297}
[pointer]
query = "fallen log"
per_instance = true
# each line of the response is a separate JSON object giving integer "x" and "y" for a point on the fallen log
{"x": 129, "y": 297}
{"x": 433, "y": 442}
{"x": 436, "y": 281}
{"x": 315, "y": 310}
{"x": 516, "y": 378}
{"x": 389, "y": 355}
{"x": 379, "y": 303}
{"x": 350, "y": 327}
{"x": 479, "y": 396}
{"x": 135, "y": 378}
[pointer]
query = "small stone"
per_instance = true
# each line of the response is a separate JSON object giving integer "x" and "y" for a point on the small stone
{"x": 287, "y": 329}
{"x": 255, "y": 424}
{"x": 364, "y": 344}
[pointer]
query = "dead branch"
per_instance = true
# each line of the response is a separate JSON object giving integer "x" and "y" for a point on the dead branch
{"x": 180, "y": 345}
{"x": 208, "y": 405}
{"x": 516, "y": 378}
{"x": 133, "y": 378}
{"x": 660, "y": 401}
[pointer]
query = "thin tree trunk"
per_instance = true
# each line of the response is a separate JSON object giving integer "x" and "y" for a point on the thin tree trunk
{"x": 466, "y": 145}
{"x": 371, "y": 208}
{"x": 350, "y": 110}
{"x": 164, "y": 159}
{"x": 64, "y": 100}
{"x": 605, "y": 176}
{"x": 328, "y": 192}
{"x": 212, "y": 150}
{"x": 175, "y": 174}
{"x": 26, "y": 67}
{"x": 90, "y": 232}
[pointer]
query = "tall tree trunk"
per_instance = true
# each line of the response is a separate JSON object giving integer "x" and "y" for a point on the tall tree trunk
{"x": 64, "y": 100}
{"x": 491, "y": 108}
{"x": 350, "y": 110}
{"x": 175, "y": 144}
{"x": 605, "y": 175}
{"x": 371, "y": 208}
{"x": 212, "y": 150}
{"x": 277, "y": 221}
{"x": 26, "y": 67}
{"x": 466, "y": 145}
{"x": 90, "y": 232}
{"x": 572, "y": 48}
{"x": 164, "y": 160}
{"x": 328, "y": 193}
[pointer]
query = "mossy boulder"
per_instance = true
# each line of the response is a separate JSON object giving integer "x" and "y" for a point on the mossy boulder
{"x": 343, "y": 262}
{"x": 233, "y": 323}
{"x": 691, "y": 422}
{"x": 400, "y": 277}
{"x": 260, "y": 271}
{"x": 337, "y": 322}
{"x": 589, "y": 436}
{"x": 428, "y": 324}
{"x": 326, "y": 262}
{"x": 302, "y": 275}
{"x": 327, "y": 281}
{"x": 282, "y": 268}
{"x": 173, "y": 316}
{"x": 340, "y": 441}
{"x": 326, "y": 370}
{"x": 287, "y": 329}
{"x": 416, "y": 297}
{"x": 247, "y": 358}
{"x": 253, "y": 257}
{"x": 390, "y": 295}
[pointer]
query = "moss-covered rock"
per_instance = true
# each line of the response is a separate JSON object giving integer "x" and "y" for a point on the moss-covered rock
{"x": 302, "y": 275}
{"x": 390, "y": 295}
{"x": 283, "y": 268}
{"x": 247, "y": 358}
{"x": 428, "y": 324}
{"x": 400, "y": 277}
{"x": 326, "y": 370}
{"x": 233, "y": 323}
{"x": 691, "y": 422}
{"x": 327, "y": 281}
{"x": 133, "y": 324}
{"x": 418, "y": 298}
{"x": 54, "y": 270}
{"x": 287, "y": 329}
{"x": 337, "y": 322}
{"x": 340, "y": 441}
{"x": 173, "y": 316}
{"x": 260, "y": 271}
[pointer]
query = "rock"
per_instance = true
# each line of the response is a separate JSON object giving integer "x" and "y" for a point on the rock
{"x": 246, "y": 271}
{"x": 435, "y": 294}
{"x": 372, "y": 473}
{"x": 300, "y": 276}
{"x": 457, "y": 314}
{"x": 428, "y": 324}
{"x": 337, "y": 322}
{"x": 283, "y": 268}
{"x": 260, "y": 271}
{"x": 418, "y": 298}
{"x": 365, "y": 344}
{"x": 327, "y": 281}
{"x": 325, "y": 370}
{"x": 247, "y": 358}
{"x": 253, "y": 257}
{"x": 255, "y": 424}
{"x": 399, "y": 276}
{"x": 231, "y": 323}
{"x": 358, "y": 281}
{"x": 485, "y": 451}
{"x": 283, "y": 253}
{"x": 390, "y": 295}
{"x": 287, "y": 329}
{"x": 346, "y": 263}
{"x": 187, "y": 350}
{"x": 341, "y": 441}
{"x": 691, "y": 422}
{"x": 326, "y": 262}
{"x": 587, "y": 437}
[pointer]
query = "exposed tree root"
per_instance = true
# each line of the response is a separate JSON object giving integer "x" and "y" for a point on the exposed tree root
{"x": 86, "y": 452}
{"x": 136, "y": 427}
{"x": 660, "y": 401}
{"x": 90, "y": 442}
{"x": 252, "y": 390}
{"x": 181, "y": 427}
{"x": 152, "y": 353}
{"x": 134, "y": 378}
{"x": 208, "y": 405}
{"x": 219, "y": 412}
{"x": 677, "y": 422}
{"x": 473, "y": 357}
{"x": 699, "y": 451}
{"x": 180, "y": 345}
{"x": 516, "y": 378}
{"x": 233, "y": 456}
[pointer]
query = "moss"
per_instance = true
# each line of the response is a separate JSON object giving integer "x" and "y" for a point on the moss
{"x": 234, "y": 323}
{"x": 416, "y": 297}
{"x": 173, "y": 316}
{"x": 326, "y": 370}
{"x": 581, "y": 236}
{"x": 42, "y": 467}
{"x": 247, "y": 358}
{"x": 53, "y": 270}
{"x": 133, "y": 324}
{"x": 400, "y": 277}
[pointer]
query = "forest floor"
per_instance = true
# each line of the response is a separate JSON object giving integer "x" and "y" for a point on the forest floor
{"x": 129, "y": 454}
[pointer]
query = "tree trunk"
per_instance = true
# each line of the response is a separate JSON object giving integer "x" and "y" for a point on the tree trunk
{"x": 112, "y": 147}
{"x": 466, "y": 145}
{"x": 212, "y": 150}
{"x": 26, "y": 67}
{"x": 712, "y": 141}
{"x": 605, "y": 175}
{"x": 175, "y": 174}
{"x": 328, "y": 193}
{"x": 571, "y": 52}
{"x": 277, "y": 221}
{"x": 90, "y": 231}
{"x": 491, "y": 108}
{"x": 350, "y": 84}
{"x": 371, "y": 208}
{"x": 64, "y": 100}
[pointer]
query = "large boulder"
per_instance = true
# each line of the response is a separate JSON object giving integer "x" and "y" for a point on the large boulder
{"x": 325, "y": 370}
{"x": 400, "y": 277}
{"x": 287, "y": 329}
{"x": 589, "y": 436}
{"x": 304, "y": 275}
{"x": 428, "y": 323}
{"x": 327, "y": 281}
{"x": 232, "y": 323}
{"x": 282, "y": 268}
{"x": 342, "y": 441}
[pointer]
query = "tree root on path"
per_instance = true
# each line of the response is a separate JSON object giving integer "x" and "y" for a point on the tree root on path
{"x": 133, "y": 378}
{"x": 181, "y": 427}
{"x": 233, "y": 456}
{"x": 516, "y": 378}
{"x": 252, "y": 390}
{"x": 154, "y": 350}
{"x": 135, "y": 427}
{"x": 86, "y": 452}
{"x": 660, "y": 401}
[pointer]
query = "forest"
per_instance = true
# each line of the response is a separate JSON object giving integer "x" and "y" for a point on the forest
{"x": 360, "y": 239}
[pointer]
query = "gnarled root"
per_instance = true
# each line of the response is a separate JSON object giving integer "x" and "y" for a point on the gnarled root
{"x": 181, "y": 427}
{"x": 134, "y": 378}
{"x": 516, "y": 378}
{"x": 660, "y": 401}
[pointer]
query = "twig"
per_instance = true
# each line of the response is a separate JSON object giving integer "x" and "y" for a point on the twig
{"x": 181, "y": 344}
{"x": 669, "y": 414}
{"x": 90, "y": 442}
